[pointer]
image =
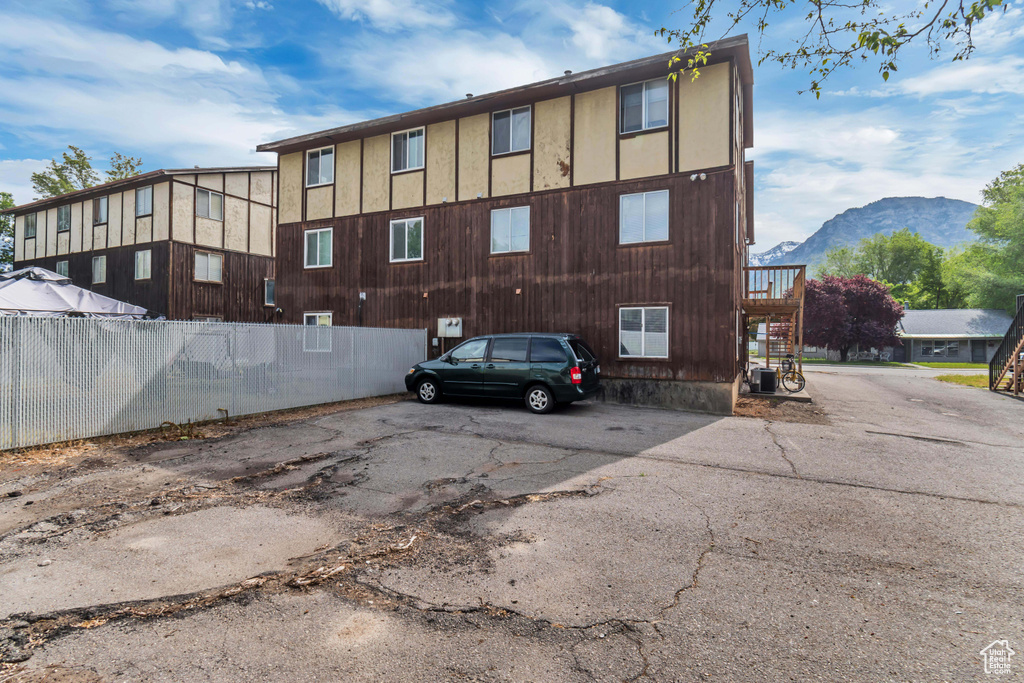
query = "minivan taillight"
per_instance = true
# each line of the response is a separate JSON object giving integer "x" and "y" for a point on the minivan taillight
{"x": 577, "y": 375}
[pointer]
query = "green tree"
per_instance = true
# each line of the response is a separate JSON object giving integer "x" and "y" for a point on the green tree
{"x": 836, "y": 33}
{"x": 840, "y": 262}
{"x": 73, "y": 172}
{"x": 122, "y": 167}
{"x": 896, "y": 258}
{"x": 6, "y": 232}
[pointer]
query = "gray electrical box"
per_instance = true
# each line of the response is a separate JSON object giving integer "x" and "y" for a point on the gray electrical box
{"x": 449, "y": 327}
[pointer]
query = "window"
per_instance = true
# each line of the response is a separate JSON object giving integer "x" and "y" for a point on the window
{"x": 64, "y": 218}
{"x": 318, "y": 248}
{"x": 99, "y": 269}
{"x": 62, "y": 268}
{"x": 510, "y": 131}
{"x": 320, "y": 167}
{"x": 209, "y": 267}
{"x": 643, "y": 106}
{"x": 510, "y": 349}
{"x": 582, "y": 350}
{"x": 952, "y": 349}
{"x": 144, "y": 201}
{"x": 269, "y": 296}
{"x": 99, "y": 210}
{"x": 471, "y": 351}
{"x": 643, "y": 332}
{"x": 209, "y": 204}
{"x": 143, "y": 262}
{"x": 207, "y": 318}
{"x": 940, "y": 348}
{"x": 510, "y": 230}
{"x": 643, "y": 217}
{"x": 316, "y": 335}
{"x": 407, "y": 240}
{"x": 546, "y": 350}
{"x": 407, "y": 150}
{"x": 30, "y": 225}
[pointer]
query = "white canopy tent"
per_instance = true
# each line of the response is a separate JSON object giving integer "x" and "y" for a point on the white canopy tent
{"x": 39, "y": 292}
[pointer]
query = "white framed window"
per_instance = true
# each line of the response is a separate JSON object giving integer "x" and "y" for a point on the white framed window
{"x": 407, "y": 150}
{"x": 143, "y": 264}
{"x": 99, "y": 210}
{"x": 30, "y": 225}
{"x": 209, "y": 204}
{"x": 62, "y": 268}
{"x": 940, "y": 348}
{"x": 64, "y": 218}
{"x": 207, "y": 318}
{"x": 510, "y": 131}
{"x": 209, "y": 267}
{"x": 643, "y": 217}
{"x": 318, "y": 249}
{"x": 316, "y": 332}
{"x": 320, "y": 167}
{"x": 144, "y": 201}
{"x": 643, "y": 106}
{"x": 269, "y": 293}
{"x": 643, "y": 332}
{"x": 407, "y": 240}
{"x": 510, "y": 230}
{"x": 99, "y": 270}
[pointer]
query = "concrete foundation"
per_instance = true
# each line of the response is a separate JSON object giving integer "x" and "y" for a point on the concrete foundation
{"x": 717, "y": 398}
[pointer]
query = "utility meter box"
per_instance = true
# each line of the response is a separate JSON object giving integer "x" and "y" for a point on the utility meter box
{"x": 449, "y": 327}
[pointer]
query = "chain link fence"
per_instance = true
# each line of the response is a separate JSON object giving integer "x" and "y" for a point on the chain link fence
{"x": 75, "y": 378}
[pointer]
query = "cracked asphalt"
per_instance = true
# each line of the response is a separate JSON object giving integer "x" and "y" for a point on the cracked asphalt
{"x": 482, "y": 543}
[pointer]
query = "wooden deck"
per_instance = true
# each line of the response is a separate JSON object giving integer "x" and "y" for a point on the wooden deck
{"x": 775, "y": 295}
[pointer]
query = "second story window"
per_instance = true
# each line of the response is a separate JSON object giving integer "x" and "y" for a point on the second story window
{"x": 30, "y": 225}
{"x": 510, "y": 230}
{"x": 209, "y": 267}
{"x": 407, "y": 150}
{"x": 643, "y": 106}
{"x": 407, "y": 240}
{"x": 510, "y": 131}
{"x": 144, "y": 201}
{"x": 209, "y": 204}
{"x": 63, "y": 218}
{"x": 318, "y": 248}
{"x": 643, "y": 217}
{"x": 320, "y": 167}
{"x": 99, "y": 211}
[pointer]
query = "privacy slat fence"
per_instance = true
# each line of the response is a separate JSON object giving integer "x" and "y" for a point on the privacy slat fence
{"x": 63, "y": 378}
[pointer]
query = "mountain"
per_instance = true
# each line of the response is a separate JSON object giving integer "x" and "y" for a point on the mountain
{"x": 938, "y": 220}
{"x": 773, "y": 254}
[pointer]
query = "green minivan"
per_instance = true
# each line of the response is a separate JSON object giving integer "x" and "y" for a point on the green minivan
{"x": 540, "y": 369}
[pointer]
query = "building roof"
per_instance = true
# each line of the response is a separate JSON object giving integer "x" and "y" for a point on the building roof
{"x": 735, "y": 48}
{"x": 141, "y": 179}
{"x": 953, "y": 323}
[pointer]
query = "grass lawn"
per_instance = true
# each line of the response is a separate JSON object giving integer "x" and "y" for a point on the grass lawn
{"x": 876, "y": 363}
{"x": 980, "y": 381}
{"x": 954, "y": 366}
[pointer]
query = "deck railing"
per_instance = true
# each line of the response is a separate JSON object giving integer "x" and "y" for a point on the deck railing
{"x": 775, "y": 282}
{"x": 1007, "y": 350}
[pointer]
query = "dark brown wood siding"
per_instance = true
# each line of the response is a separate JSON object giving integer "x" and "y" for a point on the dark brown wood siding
{"x": 238, "y": 298}
{"x": 574, "y": 278}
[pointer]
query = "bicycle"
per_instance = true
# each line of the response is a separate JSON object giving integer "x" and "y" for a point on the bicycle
{"x": 789, "y": 377}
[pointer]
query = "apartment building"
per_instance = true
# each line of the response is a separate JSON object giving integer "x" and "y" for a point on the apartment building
{"x": 193, "y": 244}
{"x": 614, "y": 203}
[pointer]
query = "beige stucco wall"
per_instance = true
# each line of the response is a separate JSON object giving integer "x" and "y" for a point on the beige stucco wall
{"x": 51, "y": 232}
{"x": 261, "y": 233}
{"x": 551, "y": 135}
{"x": 114, "y": 219}
{"x": 407, "y": 190}
{"x": 347, "y": 173}
{"x": 474, "y": 152}
{"x": 209, "y": 233}
{"x": 144, "y": 229}
{"x": 161, "y": 211}
{"x": 510, "y": 175}
{"x": 262, "y": 188}
{"x": 236, "y": 223}
{"x": 75, "y": 242}
{"x": 87, "y": 227}
{"x": 643, "y": 155}
{"x": 237, "y": 184}
{"x": 128, "y": 212}
{"x": 376, "y": 173}
{"x": 704, "y": 119}
{"x": 19, "y": 238}
{"x": 63, "y": 240}
{"x": 99, "y": 236}
{"x": 291, "y": 187}
{"x": 595, "y": 137}
{"x": 441, "y": 162}
{"x": 211, "y": 181}
{"x": 182, "y": 208}
{"x": 319, "y": 202}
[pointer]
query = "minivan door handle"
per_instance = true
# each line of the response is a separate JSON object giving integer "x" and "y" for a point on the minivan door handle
{"x": 475, "y": 365}
{"x": 490, "y": 366}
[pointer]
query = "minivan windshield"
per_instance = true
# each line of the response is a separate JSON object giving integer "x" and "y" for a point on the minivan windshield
{"x": 470, "y": 351}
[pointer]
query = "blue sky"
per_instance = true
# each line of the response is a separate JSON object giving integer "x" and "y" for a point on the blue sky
{"x": 187, "y": 82}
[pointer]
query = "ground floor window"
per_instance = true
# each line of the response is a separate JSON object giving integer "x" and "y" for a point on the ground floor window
{"x": 209, "y": 267}
{"x": 269, "y": 295}
{"x": 143, "y": 264}
{"x": 643, "y": 332}
{"x": 99, "y": 269}
{"x": 407, "y": 240}
{"x": 316, "y": 333}
{"x": 940, "y": 348}
{"x": 62, "y": 268}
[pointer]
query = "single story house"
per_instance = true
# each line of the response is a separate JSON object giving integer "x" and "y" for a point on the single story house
{"x": 952, "y": 335}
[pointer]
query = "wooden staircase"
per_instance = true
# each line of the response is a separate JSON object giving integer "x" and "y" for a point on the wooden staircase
{"x": 775, "y": 294}
{"x": 780, "y": 337}
{"x": 1006, "y": 369}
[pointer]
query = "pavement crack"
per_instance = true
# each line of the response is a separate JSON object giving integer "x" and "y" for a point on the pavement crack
{"x": 782, "y": 449}
{"x": 708, "y": 549}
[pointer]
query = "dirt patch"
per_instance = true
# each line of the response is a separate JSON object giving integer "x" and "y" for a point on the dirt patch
{"x": 780, "y": 410}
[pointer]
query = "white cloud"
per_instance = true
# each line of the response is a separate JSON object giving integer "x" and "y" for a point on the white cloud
{"x": 977, "y": 75}
{"x": 601, "y": 33}
{"x": 206, "y": 19}
{"x": 393, "y": 15}
{"x": 15, "y": 175}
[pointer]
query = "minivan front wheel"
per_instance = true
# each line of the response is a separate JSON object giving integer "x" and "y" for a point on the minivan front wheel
{"x": 539, "y": 399}
{"x": 428, "y": 392}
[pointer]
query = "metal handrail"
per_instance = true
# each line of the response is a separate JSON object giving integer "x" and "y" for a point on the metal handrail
{"x": 998, "y": 366}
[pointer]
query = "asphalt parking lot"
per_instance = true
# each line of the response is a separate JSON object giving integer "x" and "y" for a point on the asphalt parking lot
{"x": 878, "y": 541}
